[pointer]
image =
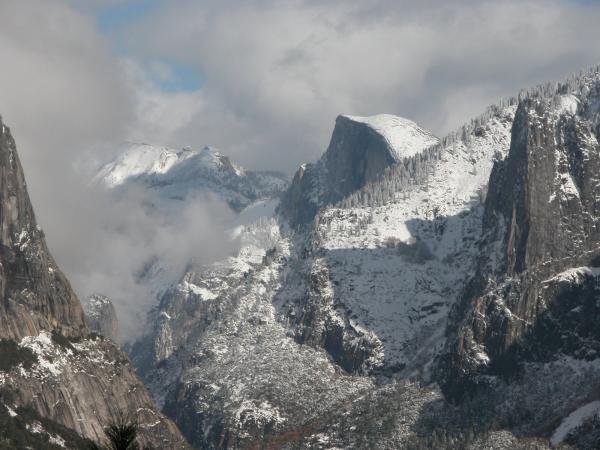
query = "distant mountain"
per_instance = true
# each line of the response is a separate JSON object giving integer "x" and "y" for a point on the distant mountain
{"x": 57, "y": 380}
{"x": 174, "y": 175}
{"x": 467, "y": 263}
{"x": 361, "y": 148}
{"x": 171, "y": 181}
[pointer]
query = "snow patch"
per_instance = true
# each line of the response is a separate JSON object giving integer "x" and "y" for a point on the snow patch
{"x": 575, "y": 275}
{"x": 56, "y": 440}
{"x": 568, "y": 187}
{"x": 568, "y": 104}
{"x": 50, "y": 358}
{"x": 574, "y": 420}
{"x": 204, "y": 293}
{"x": 404, "y": 136}
{"x": 36, "y": 428}
{"x": 11, "y": 412}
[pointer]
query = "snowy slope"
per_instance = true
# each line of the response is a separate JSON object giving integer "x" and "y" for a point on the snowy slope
{"x": 574, "y": 420}
{"x": 404, "y": 136}
{"x": 175, "y": 175}
{"x": 135, "y": 160}
{"x": 397, "y": 268}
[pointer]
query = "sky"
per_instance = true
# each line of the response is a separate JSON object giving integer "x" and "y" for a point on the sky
{"x": 262, "y": 80}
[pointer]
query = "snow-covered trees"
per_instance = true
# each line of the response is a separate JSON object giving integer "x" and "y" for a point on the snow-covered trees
{"x": 417, "y": 169}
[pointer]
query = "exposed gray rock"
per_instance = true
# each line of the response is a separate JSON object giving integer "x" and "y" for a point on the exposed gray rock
{"x": 35, "y": 294}
{"x": 77, "y": 381}
{"x": 523, "y": 338}
{"x": 101, "y": 316}
{"x": 358, "y": 153}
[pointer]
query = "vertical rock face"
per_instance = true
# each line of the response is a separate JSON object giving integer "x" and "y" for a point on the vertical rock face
{"x": 541, "y": 242}
{"x": 101, "y": 316}
{"x": 35, "y": 294}
{"x": 546, "y": 189}
{"x": 360, "y": 150}
{"x": 79, "y": 381}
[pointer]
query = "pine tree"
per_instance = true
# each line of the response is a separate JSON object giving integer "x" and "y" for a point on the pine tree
{"x": 121, "y": 435}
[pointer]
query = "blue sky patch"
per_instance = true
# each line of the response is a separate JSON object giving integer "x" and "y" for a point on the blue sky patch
{"x": 113, "y": 21}
{"x": 182, "y": 78}
{"x": 116, "y": 17}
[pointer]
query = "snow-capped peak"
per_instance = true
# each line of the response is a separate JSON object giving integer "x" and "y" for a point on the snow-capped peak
{"x": 137, "y": 159}
{"x": 173, "y": 174}
{"x": 403, "y": 136}
{"x": 212, "y": 157}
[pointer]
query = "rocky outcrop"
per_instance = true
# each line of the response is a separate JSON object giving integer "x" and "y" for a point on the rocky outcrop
{"x": 53, "y": 365}
{"x": 84, "y": 384}
{"x": 101, "y": 316}
{"x": 540, "y": 246}
{"x": 221, "y": 362}
{"x": 321, "y": 324}
{"x": 360, "y": 150}
{"x": 35, "y": 294}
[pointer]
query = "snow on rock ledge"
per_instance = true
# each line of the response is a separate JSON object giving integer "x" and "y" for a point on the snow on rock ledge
{"x": 404, "y": 137}
{"x": 360, "y": 150}
{"x": 573, "y": 420}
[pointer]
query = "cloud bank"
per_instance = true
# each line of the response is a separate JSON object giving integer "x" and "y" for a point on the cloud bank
{"x": 276, "y": 74}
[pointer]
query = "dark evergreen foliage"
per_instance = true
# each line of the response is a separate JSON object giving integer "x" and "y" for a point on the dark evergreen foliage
{"x": 11, "y": 355}
{"x": 121, "y": 435}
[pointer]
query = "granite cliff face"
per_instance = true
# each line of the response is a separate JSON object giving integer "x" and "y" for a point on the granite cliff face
{"x": 35, "y": 294}
{"x": 51, "y": 363}
{"x": 101, "y": 316}
{"x": 360, "y": 150}
{"x": 527, "y": 318}
{"x": 541, "y": 221}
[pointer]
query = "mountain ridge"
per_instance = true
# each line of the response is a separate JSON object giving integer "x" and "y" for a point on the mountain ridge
{"x": 176, "y": 174}
{"x": 375, "y": 278}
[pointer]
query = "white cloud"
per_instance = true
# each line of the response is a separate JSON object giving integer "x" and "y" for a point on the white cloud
{"x": 277, "y": 73}
{"x": 63, "y": 91}
{"x": 159, "y": 115}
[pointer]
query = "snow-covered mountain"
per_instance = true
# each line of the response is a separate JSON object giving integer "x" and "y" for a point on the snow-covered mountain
{"x": 389, "y": 269}
{"x": 175, "y": 175}
{"x": 368, "y": 287}
{"x": 176, "y": 196}
{"x": 361, "y": 148}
